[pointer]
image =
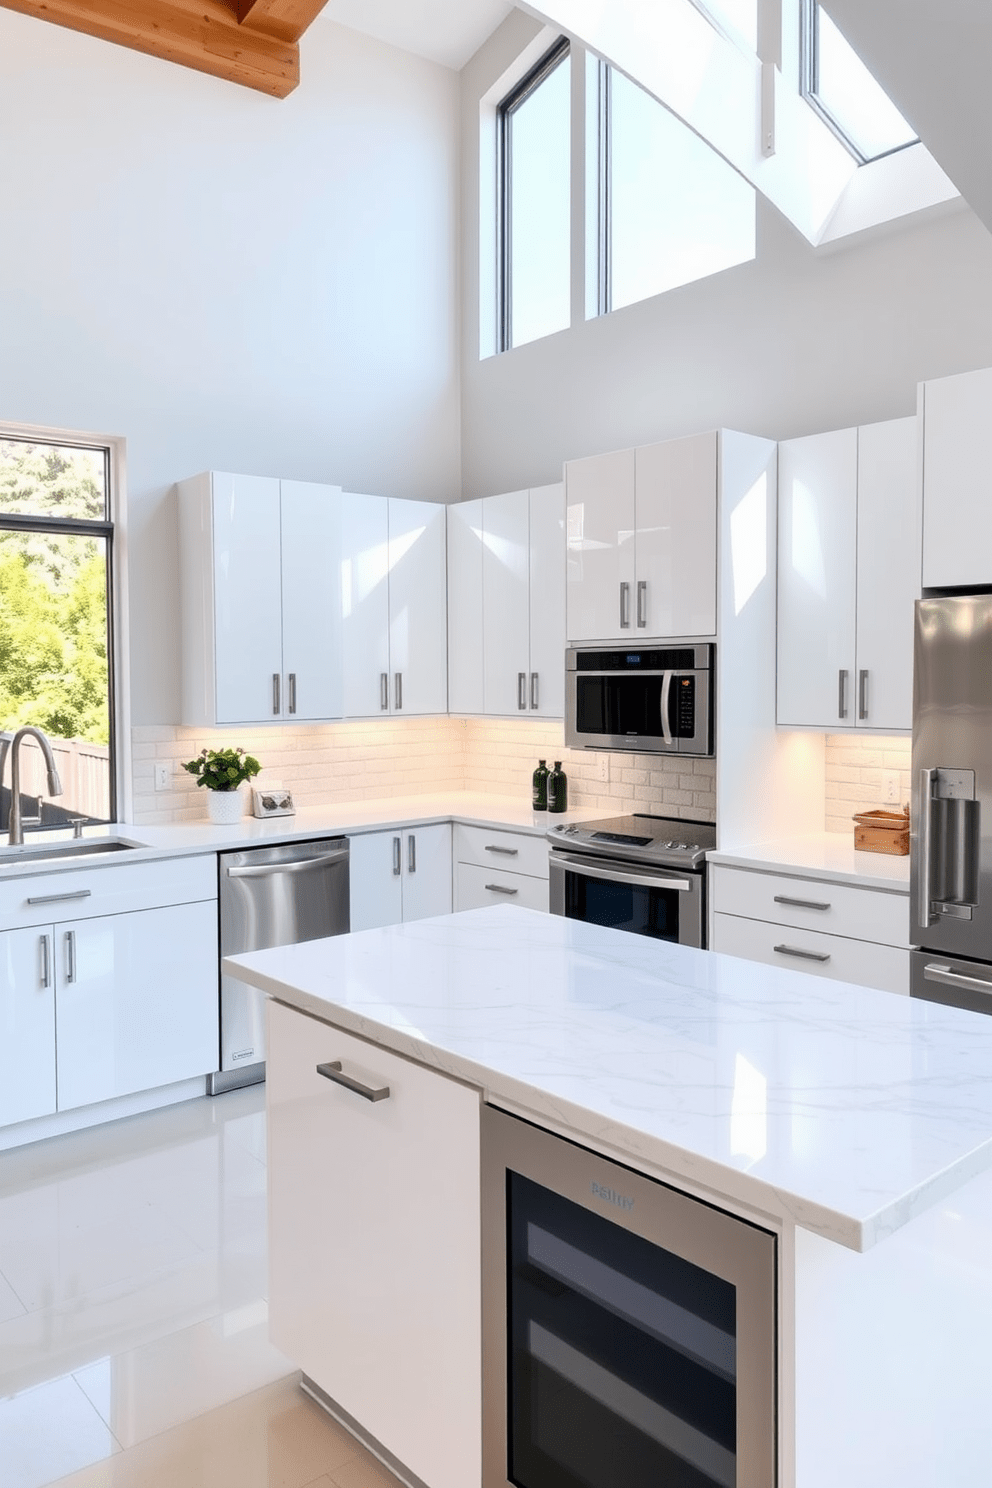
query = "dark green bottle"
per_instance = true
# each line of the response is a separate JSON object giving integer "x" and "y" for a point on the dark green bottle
{"x": 557, "y": 789}
{"x": 541, "y": 786}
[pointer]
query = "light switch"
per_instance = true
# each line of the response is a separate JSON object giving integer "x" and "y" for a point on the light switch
{"x": 161, "y": 777}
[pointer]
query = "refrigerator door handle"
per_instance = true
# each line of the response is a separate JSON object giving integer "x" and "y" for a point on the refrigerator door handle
{"x": 926, "y": 822}
{"x": 935, "y": 971}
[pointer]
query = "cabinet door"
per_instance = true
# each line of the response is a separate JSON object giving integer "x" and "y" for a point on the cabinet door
{"x": 418, "y": 639}
{"x": 818, "y": 485}
{"x": 546, "y": 692}
{"x": 957, "y": 481}
{"x": 365, "y": 605}
{"x": 135, "y": 1001}
{"x": 376, "y": 877}
{"x": 675, "y": 513}
{"x": 374, "y": 1286}
{"x": 599, "y": 533}
{"x": 506, "y": 601}
{"x": 311, "y": 600}
{"x": 465, "y": 690}
{"x": 247, "y": 597}
{"x": 27, "y": 1025}
{"x": 889, "y": 538}
{"x": 427, "y": 871}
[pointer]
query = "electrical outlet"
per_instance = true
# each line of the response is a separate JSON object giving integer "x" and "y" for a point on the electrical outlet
{"x": 890, "y": 786}
{"x": 603, "y": 764}
{"x": 161, "y": 777}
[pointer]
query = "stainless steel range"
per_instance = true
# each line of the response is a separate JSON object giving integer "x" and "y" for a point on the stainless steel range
{"x": 642, "y": 873}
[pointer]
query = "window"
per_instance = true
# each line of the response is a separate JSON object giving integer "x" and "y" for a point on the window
{"x": 839, "y": 86}
{"x": 534, "y": 142}
{"x": 670, "y": 209}
{"x": 56, "y": 635}
{"x": 738, "y": 18}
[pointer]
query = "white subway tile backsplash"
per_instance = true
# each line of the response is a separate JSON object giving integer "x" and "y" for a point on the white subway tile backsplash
{"x": 854, "y": 776}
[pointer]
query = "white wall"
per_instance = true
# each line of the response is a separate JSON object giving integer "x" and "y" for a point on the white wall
{"x": 227, "y": 280}
{"x": 800, "y": 340}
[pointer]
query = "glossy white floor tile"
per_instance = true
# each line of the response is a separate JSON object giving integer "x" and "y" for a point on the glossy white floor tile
{"x": 134, "y": 1346}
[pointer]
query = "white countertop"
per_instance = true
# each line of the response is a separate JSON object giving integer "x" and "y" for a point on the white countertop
{"x": 848, "y": 1110}
{"x": 828, "y": 855}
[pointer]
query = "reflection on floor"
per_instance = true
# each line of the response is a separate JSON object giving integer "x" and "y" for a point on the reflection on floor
{"x": 133, "y": 1319}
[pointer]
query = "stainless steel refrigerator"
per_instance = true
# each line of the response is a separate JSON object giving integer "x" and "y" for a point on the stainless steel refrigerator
{"x": 951, "y": 868}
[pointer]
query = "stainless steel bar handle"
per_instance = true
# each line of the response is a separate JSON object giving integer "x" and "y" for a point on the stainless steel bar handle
{"x": 625, "y": 606}
{"x": 411, "y": 845}
{"x": 506, "y": 852}
{"x": 935, "y": 972}
{"x": 499, "y": 889}
{"x": 642, "y": 603}
{"x": 275, "y": 692}
{"x": 267, "y": 870}
{"x": 397, "y": 858}
{"x": 46, "y": 962}
{"x": 384, "y": 691}
{"x": 784, "y": 950}
{"x": 619, "y": 874}
{"x": 863, "y": 694}
{"x": 926, "y": 825}
{"x": 666, "y": 691}
{"x": 399, "y": 692}
{"x": 292, "y": 692}
{"x": 334, "y": 1073}
{"x": 60, "y": 898}
{"x": 533, "y": 691}
{"x": 522, "y": 691}
{"x": 842, "y": 694}
{"x": 70, "y": 955}
{"x": 799, "y": 903}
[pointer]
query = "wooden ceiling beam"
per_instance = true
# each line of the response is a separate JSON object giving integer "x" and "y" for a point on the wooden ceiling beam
{"x": 285, "y": 19}
{"x": 202, "y": 34}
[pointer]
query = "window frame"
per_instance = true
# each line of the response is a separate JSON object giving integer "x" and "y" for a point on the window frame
{"x": 505, "y": 109}
{"x": 809, "y": 82}
{"x": 113, "y": 530}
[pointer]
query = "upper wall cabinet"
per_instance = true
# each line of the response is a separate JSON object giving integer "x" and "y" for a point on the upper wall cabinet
{"x": 957, "y": 480}
{"x": 261, "y": 634}
{"x": 393, "y": 606}
{"x": 848, "y": 572}
{"x": 506, "y": 594}
{"x": 641, "y": 535}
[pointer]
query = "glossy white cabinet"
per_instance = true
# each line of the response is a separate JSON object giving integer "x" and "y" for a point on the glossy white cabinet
{"x": 393, "y": 606}
{"x": 957, "y": 480}
{"x": 27, "y": 1025}
{"x": 374, "y": 1238}
{"x": 400, "y": 875}
{"x": 848, "y": 573}
{"x": 261, "y": 614}
{"x": 641, "y": 536}
{"x": 498, "y": 867}
{"x": 506, "y": 623}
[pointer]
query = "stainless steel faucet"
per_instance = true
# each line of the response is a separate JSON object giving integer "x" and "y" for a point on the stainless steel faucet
{"x": 15, "y": 834}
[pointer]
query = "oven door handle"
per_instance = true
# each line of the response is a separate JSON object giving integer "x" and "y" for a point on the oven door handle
{"x": 666, "y": 689}
{"x": 620, "y": 874}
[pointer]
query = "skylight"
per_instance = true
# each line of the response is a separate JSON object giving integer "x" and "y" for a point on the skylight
{"x": 843, "y": 91}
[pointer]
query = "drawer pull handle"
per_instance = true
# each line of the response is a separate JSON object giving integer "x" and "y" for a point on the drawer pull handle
{"x": 508, "y": 852}
{"x": 499, "y": 889}
{"x": 336, "y": 1075}
{"x": 784, "y": 950}
{"x": 60, "y": 898}
{"x": 799, "y": 903}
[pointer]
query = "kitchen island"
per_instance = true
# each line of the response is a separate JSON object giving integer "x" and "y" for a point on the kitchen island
{"x": 854, "y": 1125}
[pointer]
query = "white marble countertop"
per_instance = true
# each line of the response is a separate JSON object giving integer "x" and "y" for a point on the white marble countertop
{"x": 828, "y": 855}
{"x": 847, "y": 1110}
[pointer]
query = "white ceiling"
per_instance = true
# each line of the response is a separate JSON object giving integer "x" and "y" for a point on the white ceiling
{"x": 933, "y": 58}
{"x": 446, "y": 31}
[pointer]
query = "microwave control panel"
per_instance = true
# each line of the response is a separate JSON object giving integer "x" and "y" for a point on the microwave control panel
{"x": 686, "y": 695}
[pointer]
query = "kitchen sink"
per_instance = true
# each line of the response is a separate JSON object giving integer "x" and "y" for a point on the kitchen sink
{"x": 56, "y": 851}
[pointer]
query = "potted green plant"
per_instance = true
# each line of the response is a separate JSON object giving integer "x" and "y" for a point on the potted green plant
{"x": 223, "y": 772}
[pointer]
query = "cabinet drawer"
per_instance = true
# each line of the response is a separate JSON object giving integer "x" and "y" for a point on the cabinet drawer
{"x": 517, "y": 851}
{"x": 476, "y": 887}
{"x": 814, "y": 904}
{"x": 844, "y": 960}
{"x": 117, "y": 888}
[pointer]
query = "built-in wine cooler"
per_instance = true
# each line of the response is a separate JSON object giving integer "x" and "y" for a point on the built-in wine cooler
{"x": 629, "y": 1330}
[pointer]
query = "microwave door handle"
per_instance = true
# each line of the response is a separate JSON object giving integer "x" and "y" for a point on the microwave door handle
{"x": 666, "y": 692}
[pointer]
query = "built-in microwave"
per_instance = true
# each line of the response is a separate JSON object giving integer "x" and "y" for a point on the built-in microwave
{"x": 650, "y": 700}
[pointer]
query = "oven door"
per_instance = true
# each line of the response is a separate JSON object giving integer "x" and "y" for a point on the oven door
{"x": 646, "y": 901}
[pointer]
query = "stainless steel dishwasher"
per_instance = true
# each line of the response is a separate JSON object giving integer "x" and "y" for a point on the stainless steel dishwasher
{"x": 271, "y": 896}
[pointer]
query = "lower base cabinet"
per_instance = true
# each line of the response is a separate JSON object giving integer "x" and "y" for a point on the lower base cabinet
{"x": 495, "y": 867}
{"x": 374, "y": 1239}
{"x": 400, "y": 875}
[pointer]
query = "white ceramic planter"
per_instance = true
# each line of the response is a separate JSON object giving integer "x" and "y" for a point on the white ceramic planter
{"x": 225, "y": 808}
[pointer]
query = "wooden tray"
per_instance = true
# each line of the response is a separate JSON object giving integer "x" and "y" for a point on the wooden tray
{"x": 882, "y": 832}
